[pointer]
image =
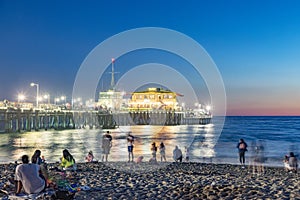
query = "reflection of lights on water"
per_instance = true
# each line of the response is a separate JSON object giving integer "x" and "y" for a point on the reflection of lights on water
{"x": 144, "y": 137}
{"x": 206, "y": 143}
{"x": 209, "y": 126}
{"x": 80, "y": 141}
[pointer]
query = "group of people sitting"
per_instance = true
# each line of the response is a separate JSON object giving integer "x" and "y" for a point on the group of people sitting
{"x": 32, "y": 178}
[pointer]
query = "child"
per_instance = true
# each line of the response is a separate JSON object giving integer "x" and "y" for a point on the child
{"x": 139, "y": 159}
{"x": 89, "y": 157}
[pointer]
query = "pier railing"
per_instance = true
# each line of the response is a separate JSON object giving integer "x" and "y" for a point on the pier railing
{"x": 19, "y": 120}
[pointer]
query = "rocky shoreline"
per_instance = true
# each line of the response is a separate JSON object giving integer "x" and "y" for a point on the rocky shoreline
{"x": 122, "y": 180}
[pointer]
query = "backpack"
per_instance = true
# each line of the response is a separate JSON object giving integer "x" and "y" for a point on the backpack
{"x": 242, "y": 146}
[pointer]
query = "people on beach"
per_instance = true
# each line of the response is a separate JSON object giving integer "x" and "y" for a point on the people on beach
{"x": 130, "y": 142}
{"x": 67, "y": 161}
{"x": 29, "y": 178}
{"x": 286, "y": 163}
{"x": 153, "y": 153}
{"x": 259, "y": 158}
{"x": 187, "y": 154}
{"x": 152, "y": 160}
{"x": 153, "y": 150}
{"x": 106, "y": 145}
{"x": 177, "y": 154}
{"x": 139, "y": 159}
{"x": 162, "y": 152}
{"x": 89, "y": 157}
{"x": 242, "y": 148}
{"x": 293, "y": 163}
{"x": 37, "y": 159}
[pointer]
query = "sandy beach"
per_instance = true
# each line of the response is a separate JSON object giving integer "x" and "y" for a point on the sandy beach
{"x": 122, "y": 180}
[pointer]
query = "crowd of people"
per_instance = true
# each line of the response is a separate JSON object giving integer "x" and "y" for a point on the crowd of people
{"x": 154, "y": 149}
{"x": 33, "y": 177}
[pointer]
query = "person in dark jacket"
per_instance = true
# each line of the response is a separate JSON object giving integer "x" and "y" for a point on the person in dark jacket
{"x": 242, "y": 148}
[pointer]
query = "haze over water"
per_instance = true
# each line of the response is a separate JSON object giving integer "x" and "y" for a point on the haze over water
{"x": 279, "y": 135}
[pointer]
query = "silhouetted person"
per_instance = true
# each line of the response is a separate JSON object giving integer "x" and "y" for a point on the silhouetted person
{"x": 242, "y": 148}
{"x": 162, "y": 151}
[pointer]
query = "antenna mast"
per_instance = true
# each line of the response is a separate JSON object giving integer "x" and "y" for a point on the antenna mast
{"x": 112, "y": 83}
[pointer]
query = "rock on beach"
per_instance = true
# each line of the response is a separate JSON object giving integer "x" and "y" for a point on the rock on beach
{"x": 122, "y": 180}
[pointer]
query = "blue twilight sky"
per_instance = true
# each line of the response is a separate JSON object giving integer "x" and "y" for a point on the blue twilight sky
{"x": 255, "y": 44}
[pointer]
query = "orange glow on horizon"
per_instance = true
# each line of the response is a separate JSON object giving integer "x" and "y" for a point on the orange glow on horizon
{"x": 279, "y": 111}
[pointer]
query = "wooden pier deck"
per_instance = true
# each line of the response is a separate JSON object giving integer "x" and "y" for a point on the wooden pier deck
{"x": 19, "y": 120}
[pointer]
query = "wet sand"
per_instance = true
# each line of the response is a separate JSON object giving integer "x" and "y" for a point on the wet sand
{"x": 123, "y": 180}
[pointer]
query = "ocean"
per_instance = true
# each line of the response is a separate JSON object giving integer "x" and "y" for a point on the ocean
{"x": 278, "y": 135}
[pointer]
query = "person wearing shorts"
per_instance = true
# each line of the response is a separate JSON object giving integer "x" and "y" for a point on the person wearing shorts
{"x": 130, "y": 141}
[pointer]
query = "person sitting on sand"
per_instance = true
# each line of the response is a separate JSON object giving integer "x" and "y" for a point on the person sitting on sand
{"x": 242, "y": 147}
{"x": 36, "y": 159}
{"x": 162, "y": 151}
{"x": 67, "y": 161}
{"x": 177, "y": 154}
{"x": 152, "y": 160}
{"x": 29, "y": 178}
{"x": 89, "y": 157}
{"x": 139, "y": 159}
{"x": 293, "y": 163}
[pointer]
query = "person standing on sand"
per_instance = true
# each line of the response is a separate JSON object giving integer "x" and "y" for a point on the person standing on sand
{"x": 242, "y": 148}
{"x": 106, "y": 145}
{"x": 153, "y": 150}
{"x": 259, "y": 158}
{"x": 286, "y": 163}
{"x": 130, "y": 141}
{"x": 187, "y": 154}
{"x": 162, "y": 151}
{"x": 293, "y": 163}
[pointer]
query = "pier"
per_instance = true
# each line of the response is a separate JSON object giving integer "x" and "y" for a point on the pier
{"x": 24, "y": 120}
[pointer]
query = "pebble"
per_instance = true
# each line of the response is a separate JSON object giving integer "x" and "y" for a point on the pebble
{"x": 122, "y": 180}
